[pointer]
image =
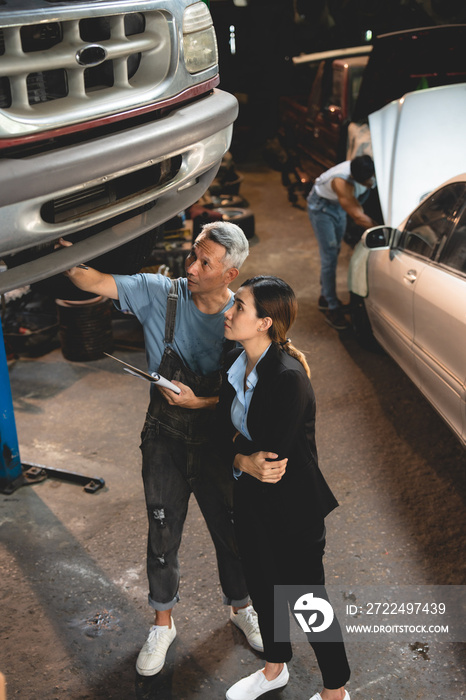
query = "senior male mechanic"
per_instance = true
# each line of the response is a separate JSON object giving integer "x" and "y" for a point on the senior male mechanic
{"x": 183, "y": 328}
{"x": 336, "y": 193}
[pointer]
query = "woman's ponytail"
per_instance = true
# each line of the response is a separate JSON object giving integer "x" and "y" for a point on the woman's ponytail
{"x": 288, "y": 347}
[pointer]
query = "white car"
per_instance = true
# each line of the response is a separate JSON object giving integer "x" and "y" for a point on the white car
{"x": 408, "y": 283}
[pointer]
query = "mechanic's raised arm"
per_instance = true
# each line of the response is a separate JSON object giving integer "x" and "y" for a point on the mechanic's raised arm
{"x": 90, "y": 280}
{"x": 345, "y": 193}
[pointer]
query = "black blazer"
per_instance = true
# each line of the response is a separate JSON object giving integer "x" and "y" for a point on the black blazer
{"x": 281, "y": 419}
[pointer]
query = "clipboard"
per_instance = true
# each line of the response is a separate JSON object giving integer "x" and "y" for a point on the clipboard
{"x": 153, "y": 377}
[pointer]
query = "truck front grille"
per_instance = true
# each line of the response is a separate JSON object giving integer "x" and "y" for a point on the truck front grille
{"x": 55, "y": 73}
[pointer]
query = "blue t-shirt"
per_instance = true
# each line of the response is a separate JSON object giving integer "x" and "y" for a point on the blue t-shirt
{"x": 198, "y": 337}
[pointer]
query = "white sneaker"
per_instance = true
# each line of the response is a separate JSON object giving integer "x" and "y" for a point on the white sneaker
{"x": 256, "y": 684}
{"x": 246, "y": 620}
{"x": 152, "y": 655}
{"x": 318, "y": 696}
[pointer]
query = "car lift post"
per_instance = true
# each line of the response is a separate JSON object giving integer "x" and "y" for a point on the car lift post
{"x": 13, "y": 473}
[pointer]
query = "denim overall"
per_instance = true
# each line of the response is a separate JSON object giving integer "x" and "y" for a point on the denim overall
{"x": 176, "y": 463}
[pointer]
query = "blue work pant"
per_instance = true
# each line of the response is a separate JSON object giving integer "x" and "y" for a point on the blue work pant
{"x": 329, "y": 223}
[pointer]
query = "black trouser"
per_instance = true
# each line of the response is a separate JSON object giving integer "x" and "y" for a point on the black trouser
{"x": 281, "y": 547}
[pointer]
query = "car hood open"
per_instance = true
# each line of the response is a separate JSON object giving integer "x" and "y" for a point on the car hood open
{"x": 418, "y": 142}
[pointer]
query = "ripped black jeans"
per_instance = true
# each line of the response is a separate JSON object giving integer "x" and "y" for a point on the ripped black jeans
{"x": 172, "y": 470}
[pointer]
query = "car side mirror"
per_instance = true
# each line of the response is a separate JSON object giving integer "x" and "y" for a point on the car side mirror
{"x": 378, "y": 237}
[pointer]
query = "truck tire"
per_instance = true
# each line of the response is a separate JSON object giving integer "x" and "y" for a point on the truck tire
{"x": 243, "y": 217}
{"x": 229, "y": 200}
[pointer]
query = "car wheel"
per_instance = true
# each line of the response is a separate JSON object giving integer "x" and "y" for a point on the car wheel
{"x": 361, "y": 325}
{"x": 85, "y": 328}
{"x": 244, "y": 218}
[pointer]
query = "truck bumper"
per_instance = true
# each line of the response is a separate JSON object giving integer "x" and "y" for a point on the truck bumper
{"x": 197, "y": 134}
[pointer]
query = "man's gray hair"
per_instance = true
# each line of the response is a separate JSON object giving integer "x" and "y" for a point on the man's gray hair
{"x": 232, "y": 238}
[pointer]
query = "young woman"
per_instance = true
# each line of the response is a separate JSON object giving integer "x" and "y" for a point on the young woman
{"x": 266, "y": 430}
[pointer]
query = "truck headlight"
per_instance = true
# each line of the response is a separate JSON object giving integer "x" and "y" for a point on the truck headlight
{"x": 199, "y": 41}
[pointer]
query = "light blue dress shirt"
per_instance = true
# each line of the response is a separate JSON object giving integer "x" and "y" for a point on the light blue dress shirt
{"x": 242, "y": 400}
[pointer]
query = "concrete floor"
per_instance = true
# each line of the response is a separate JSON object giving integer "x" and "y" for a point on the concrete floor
{"x": 73, "y": 587}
